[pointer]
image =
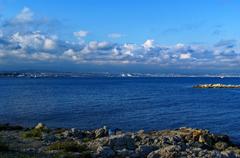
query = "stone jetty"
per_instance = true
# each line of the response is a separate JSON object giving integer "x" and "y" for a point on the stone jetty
{"x": 216, "y": 86}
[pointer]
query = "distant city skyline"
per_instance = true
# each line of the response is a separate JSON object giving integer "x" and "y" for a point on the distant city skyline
{"x": 120, "y": 36}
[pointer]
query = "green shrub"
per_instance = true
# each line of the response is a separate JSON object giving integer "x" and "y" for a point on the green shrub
{"x": 34, "y": 133}
{"x": 85, "y": 140}
{"x": 68, "y": 146}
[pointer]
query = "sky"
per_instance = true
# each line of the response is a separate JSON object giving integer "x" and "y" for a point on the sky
{"x": 160, "y": 36}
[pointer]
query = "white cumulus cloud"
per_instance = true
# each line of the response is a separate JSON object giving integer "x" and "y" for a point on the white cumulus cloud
{"x": 49, "y": 43}
{"x": 25, "y": 15}
{"x": 81, "y": 34}
{"x": 148, "y": 44}
{"x": 185, "y": 56}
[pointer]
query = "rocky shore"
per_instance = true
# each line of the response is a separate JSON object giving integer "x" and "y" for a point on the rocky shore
{"x": 43, "y": 142}
{"x": 216, "y": 86}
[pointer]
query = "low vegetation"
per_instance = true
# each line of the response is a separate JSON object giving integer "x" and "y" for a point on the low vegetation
{"x": 68, "y": 146}
{"x": 34, "y": 133}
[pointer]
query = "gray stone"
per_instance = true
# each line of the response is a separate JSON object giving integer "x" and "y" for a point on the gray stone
{"x": 127, "y": 153}
{"x": 40, "y": 126}
{"x": 67, "y": 133}
{"x": 154, "y": 154}
{"x": 144, "y": 150}
{"x": 215, "y": 154}
{"x": 105, "y": 152}
{"x": 229, "y": 154}
{"x": 119, "y": 142}
{"x": 221, "y": 146}
{"x": 101, "y": 132}
{"x": 171, "y": 151}
{"x": 48, "y": 138}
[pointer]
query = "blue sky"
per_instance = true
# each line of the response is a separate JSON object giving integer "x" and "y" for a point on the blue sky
{"x": 121, "y": 35}
{"x": 167, "y": 21}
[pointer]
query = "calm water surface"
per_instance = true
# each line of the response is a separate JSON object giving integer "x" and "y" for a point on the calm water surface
{"x": 126, "y": 103}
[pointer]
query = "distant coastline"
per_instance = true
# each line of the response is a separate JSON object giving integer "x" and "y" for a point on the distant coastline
{"x": 39, "y": 74}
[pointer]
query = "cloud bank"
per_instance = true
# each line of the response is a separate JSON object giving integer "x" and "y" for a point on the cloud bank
{"x": 23, "y": 39}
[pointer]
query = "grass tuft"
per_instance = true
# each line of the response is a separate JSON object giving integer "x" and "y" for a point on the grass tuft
{"x": 34, "y": 133}
{"x": 85, "y": 140}
{"x": 68, "y": 146}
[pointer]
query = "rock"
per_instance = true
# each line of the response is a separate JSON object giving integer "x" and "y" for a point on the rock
{"x": 220, "y": 146}
{"x": 101, "y": 132}
{"x": 74, "y": 130}
{"x": 123, "y": 153}
{"x": 40, "y": 126}
{"x": 144, "y": 150}
{"x": 171, "y": 151}
{"x": 77, "y": 133}
{"x": 221, "y": 138}
{"x": 154, "y": 154}
{"x": 116, "y": 131}
{"x": 216, "y": 86}
{"x": 170, "y": 140}
{"x": 105, "y": 152}
{"x": 215, "y": 154}
{"x": 104, "y": 141}
{"x": 196, "y": 134}
{"x": 66, "y": 133}
{"x": 182, "y": 143}
{"x": 140, "y": 132}
{"x": 137, "y": 138}
{"x": 206, "y": 139}
{"x": 202, "y": 153}
{"x": 119, "y": 142}
{"x": 229, "y": 154}
{"x": 48, "y": 138}
{"x": 73, "y": 133}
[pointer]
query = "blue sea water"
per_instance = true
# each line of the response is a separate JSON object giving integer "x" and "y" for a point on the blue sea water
{"x": 126, "y": 103}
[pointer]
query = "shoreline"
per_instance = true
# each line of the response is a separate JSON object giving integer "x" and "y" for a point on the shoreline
{"x": 43, "y": 142}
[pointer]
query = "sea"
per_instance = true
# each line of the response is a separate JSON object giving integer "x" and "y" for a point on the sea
{"x": 130, "y": 104}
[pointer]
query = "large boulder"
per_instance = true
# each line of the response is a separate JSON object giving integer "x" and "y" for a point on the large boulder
{"x": 105, "y": 152}
{"x": 101, "y": 132}
{"x": 124, "y": 141}
{"x": 171, "y": 151}
{"x": 40, "y": 126}
{"x": 229, "y": 154}
{"x": 220, "y": 146}
{"x": 144, "y": 150}
{"x": 126, "y": 153}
